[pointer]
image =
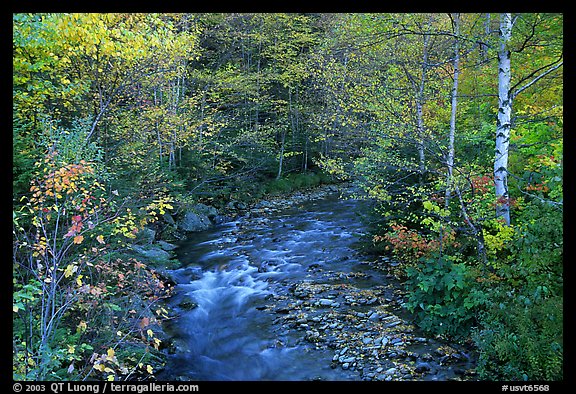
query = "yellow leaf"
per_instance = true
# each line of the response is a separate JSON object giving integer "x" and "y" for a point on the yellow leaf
{"x": 100, "y": 367}
{"x": 15, "y": 308}
{"x": 110, "y": 353}
{"x": 150, "y": 333}
{"x": 149, "y": 369}
{"x": 71, "y": 349}
{"x": 79, "y": 280}
{"x": 110, "y": 378}
{"x": 78, "y": 239}
{"x": 100, "y": 239}
{"x": 82, "y": 326}
{"x": 70, "y": 269}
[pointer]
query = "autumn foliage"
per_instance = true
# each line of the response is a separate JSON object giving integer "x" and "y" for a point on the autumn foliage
{"x": 410, "y": 245}
{"x": 96, "y": 301}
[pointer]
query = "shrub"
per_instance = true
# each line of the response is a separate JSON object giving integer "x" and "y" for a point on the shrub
{"x": 521, "y": 339}
{"x": 443, "y": 295}
{"x": 521, "y": 333}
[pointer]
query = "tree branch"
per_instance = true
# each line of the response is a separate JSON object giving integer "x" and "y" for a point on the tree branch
{"x": 513, "y": 93}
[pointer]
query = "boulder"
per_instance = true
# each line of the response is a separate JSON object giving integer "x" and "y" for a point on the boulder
{"x": 208, "y": 211}
{"x": 219, "y": 219}
{"x": 200, "y": 217}
{"x": 166, "y": 246}
{"x": 152, "y": 253}
{"x": 192, "y": 222}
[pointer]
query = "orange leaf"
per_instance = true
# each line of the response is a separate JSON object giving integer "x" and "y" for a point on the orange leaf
{"x": 144, "y": 322}
{"x": 78, "y": 239}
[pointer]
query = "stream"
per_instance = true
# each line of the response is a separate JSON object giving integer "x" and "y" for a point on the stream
{"x": 283, "y": 293}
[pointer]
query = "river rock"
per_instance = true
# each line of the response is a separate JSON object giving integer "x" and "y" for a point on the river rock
{"x": 374, "y": 316}
{"x": 208, "y": 211}
{"x": 152, "y": 253}
{"x": 219, "y": 219}
{"x": 192, "y": 222}
{"x": 422, "y": 367}
{"x": 187, "y": 305}
{"x": 328, "y": 302}
{"x": 200, "y": 217}
{"x": 166, "y": 246}
{"x": 390, "y": 371}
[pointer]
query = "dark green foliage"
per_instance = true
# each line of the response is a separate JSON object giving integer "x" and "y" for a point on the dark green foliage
{"x": 294, "y": 182}
{"x": 443, "y": 296}
{"x": 24, "y": 153}
{"x": 539, "y": 249}
{"x": 521, "y": 333}
{"x": 522, "y": 339}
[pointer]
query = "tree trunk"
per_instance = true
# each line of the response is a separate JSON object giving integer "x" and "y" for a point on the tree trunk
{"x": 503, "y": 123}
{"x": 305, "y": 160}
{"x": 419, "y": 110}
{"x": 454, "y": 104}
{"x": 160, "y": 153}
{"x": 487, "y": 31}
{"x": 279, "y": 175}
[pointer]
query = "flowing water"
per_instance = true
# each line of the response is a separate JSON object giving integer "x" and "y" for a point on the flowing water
{"x": 231, "y": 274}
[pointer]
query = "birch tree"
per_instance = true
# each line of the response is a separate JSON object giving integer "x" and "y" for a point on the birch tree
{"x": 503, "y": 123}
{"x": 507, "y": 93}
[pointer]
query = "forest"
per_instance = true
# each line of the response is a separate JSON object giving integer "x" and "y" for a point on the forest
{"x": 449, "y": 126}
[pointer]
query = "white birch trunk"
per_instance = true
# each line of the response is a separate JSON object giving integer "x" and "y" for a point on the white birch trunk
{"x": 503, "y": 123}
{"x": 281, "y": 162}
{"x": 454, "y": 104}
{"x": 419, "y": 109}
